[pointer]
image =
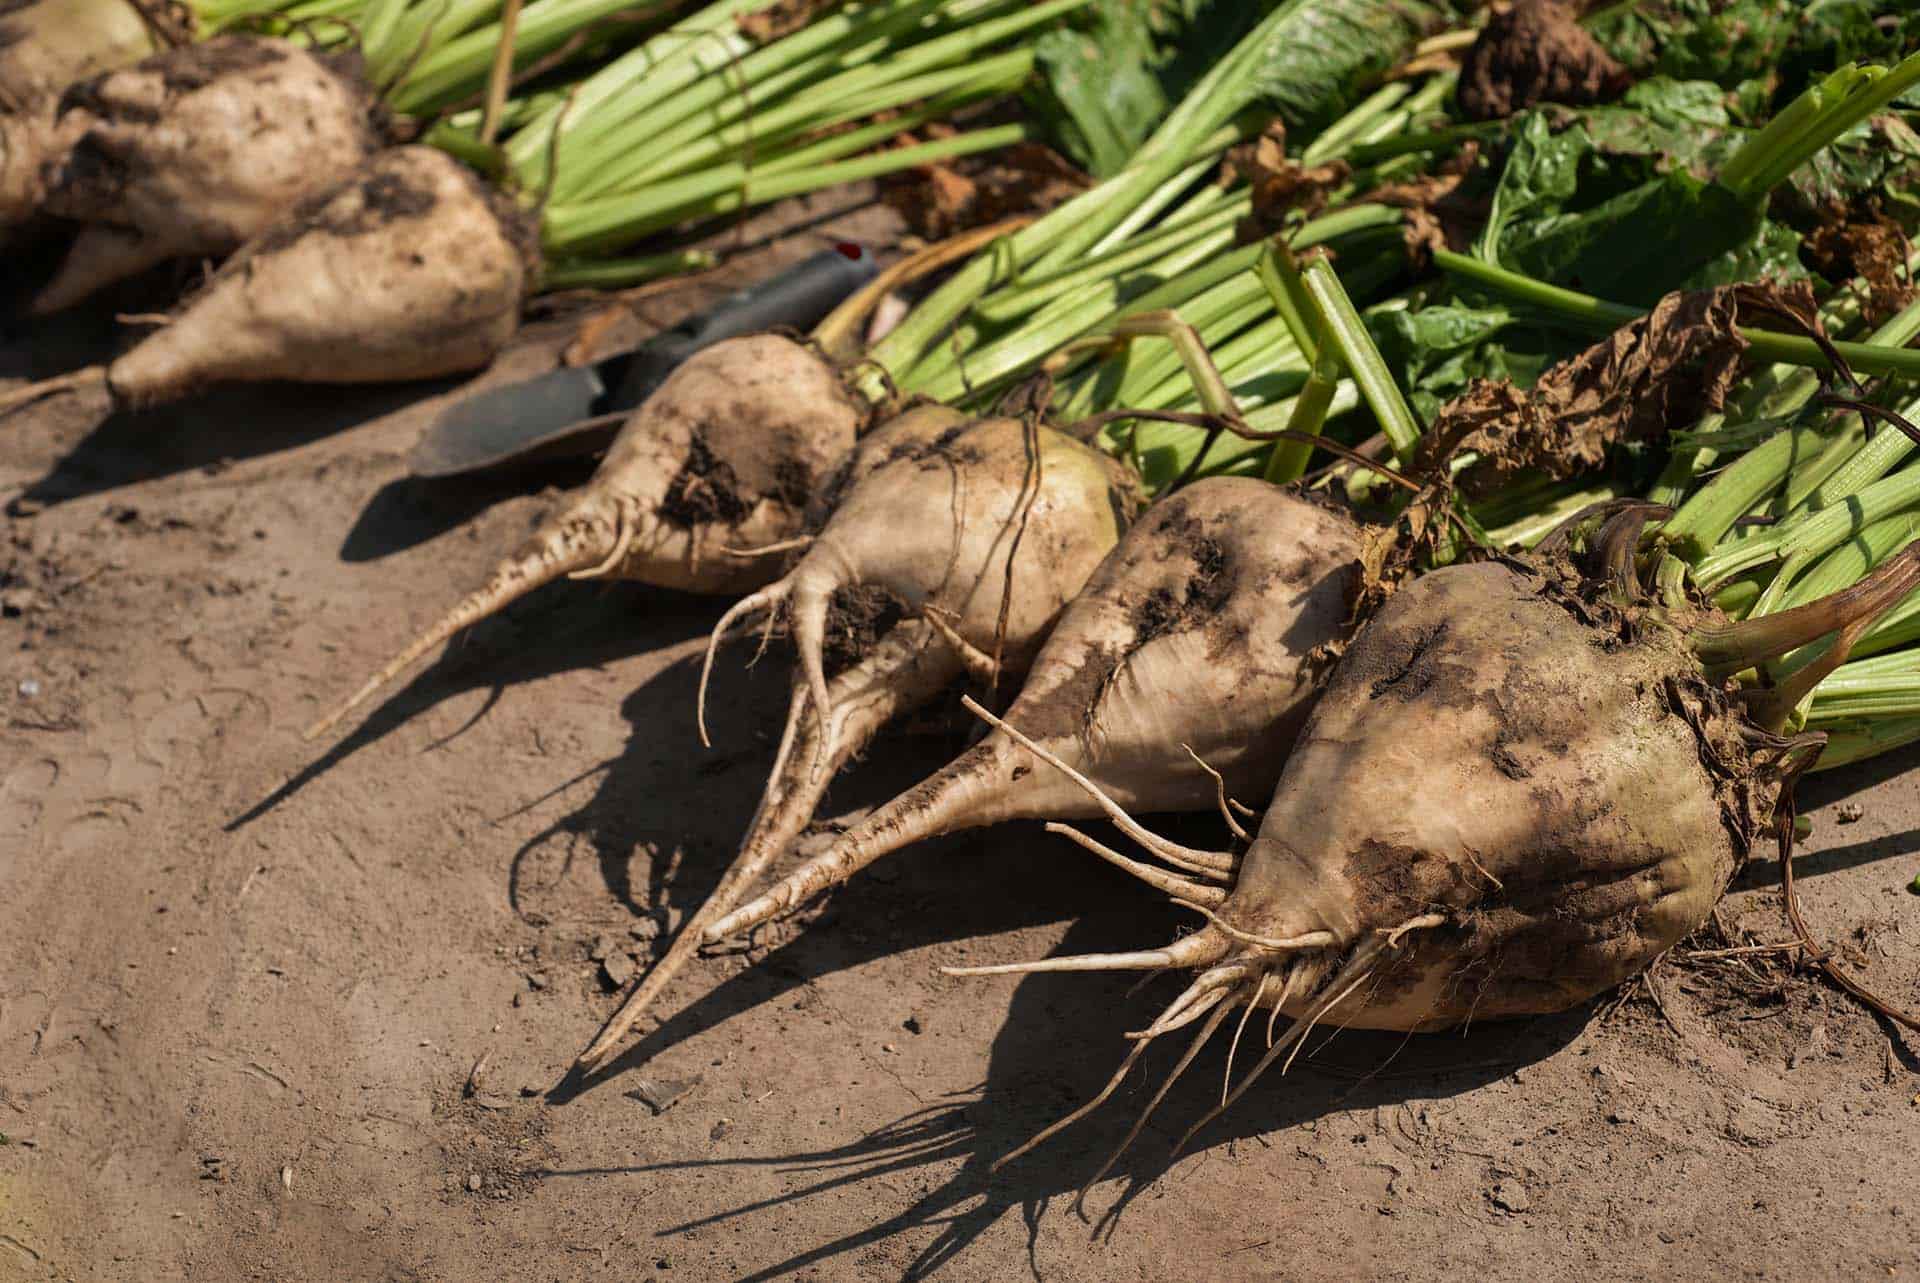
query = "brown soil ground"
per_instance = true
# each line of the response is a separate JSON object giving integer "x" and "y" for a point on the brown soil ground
{"x": 275, "y": 1012}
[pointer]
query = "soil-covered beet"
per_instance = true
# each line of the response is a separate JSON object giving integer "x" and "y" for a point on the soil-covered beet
{"x": 1563, "y": 788}
{"x": 196, "y": 150}
{"x": 44, "y": 48}
{"x": 412, "y": 268}
{"x": 974, "y": 535}
{"x": 1201, "y": 631}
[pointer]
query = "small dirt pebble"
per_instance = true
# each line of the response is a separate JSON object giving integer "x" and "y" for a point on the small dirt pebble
{"x": 1510, "y": 1196}
{"x": 618, "y": 970}
{"x": 663, "y": 1094}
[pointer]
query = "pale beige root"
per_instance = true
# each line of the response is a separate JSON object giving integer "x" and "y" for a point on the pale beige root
{"x": 911, "y": 431}
{"x": 734, "y": 446}
{"x": 409, "y": 270}
{"x": 1202, "y": 948}
{"x": 196, "y": 150}
{"x": 938, "y": 526}
{"x": 79, "y": 380}
{"x": 1194, "y": 636}
{"x": 1194, "y": 894}
{"x": 721, "y": 455}
{"x": 101, "y": 254}
{"x": 48, "y": 45}
{"x": 583, "y": 535}
{"x": 947, "y": 524}
{"x": 1479, "y": 754}
{"x": 44, "y": 48}
{"x": 906, "y": 669}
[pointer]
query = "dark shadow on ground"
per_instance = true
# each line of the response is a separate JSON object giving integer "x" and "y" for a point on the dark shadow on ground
{"x": 1834, "y": 856}
{"x": 406, "y": 513}
{"x": 1825, "y": 787}
{"x": 215, "y": 429}
{"x": 1060, "y": 1042}
{"x": 560, "y": 628}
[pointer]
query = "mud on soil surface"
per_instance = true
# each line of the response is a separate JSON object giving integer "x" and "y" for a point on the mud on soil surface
{"x": 239, "y": 1016}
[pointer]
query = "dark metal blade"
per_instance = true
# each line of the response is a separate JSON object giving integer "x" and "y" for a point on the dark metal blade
{"x": 507, "y": 422}
{"x": 798, "y": 298}
{"x": 570, "y": 411}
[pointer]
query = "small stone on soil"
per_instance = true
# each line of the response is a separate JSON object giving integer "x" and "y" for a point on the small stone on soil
{"x": 618, "y": 970}
{"x": 601, "y": 948}
{"x": 664, "y": 1094}
{"x": 1511, "y": 1196}
{"x": 1849, "y": 812}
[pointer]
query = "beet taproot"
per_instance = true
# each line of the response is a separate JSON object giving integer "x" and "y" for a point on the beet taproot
{"x": 719, "y": 462}
{"x": 1521, "y": 786}
{"x": 413, "y": 268}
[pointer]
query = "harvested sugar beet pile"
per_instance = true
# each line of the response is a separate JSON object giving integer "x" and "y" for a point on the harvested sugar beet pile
{"x": 1486, "y": 505}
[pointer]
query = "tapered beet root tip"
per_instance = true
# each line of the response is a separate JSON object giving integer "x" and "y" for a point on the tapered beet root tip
{"x": 74, "y": 381}
{"x": 581, "y": 538}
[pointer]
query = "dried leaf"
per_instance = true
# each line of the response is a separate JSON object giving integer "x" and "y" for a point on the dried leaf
{"x": 1282, "y": 188}
{"x": 1660, "y": 371}
{"x": 1440, "y": 214}
{"x": 1873, "y": 251}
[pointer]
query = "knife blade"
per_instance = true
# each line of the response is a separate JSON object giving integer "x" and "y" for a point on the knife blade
{"x": 577, "y": 410}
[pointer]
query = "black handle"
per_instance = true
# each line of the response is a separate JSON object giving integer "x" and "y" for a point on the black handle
{"x": 798, "y": 298}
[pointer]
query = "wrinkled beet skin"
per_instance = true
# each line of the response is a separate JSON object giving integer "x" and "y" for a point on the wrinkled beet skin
{"x": 1199, "y": 629}
{"x": 1482, "y": 753}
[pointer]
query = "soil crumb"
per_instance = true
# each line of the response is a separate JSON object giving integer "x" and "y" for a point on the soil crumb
{"x": 1535, "y": 52}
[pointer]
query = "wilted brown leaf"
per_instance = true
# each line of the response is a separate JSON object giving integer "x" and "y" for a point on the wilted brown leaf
{"x": 1874, "y": 251}
{"x": 1665, "y": 369}
{"x": 1439, "y": 213}
{"x": 1281, "y": 186}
